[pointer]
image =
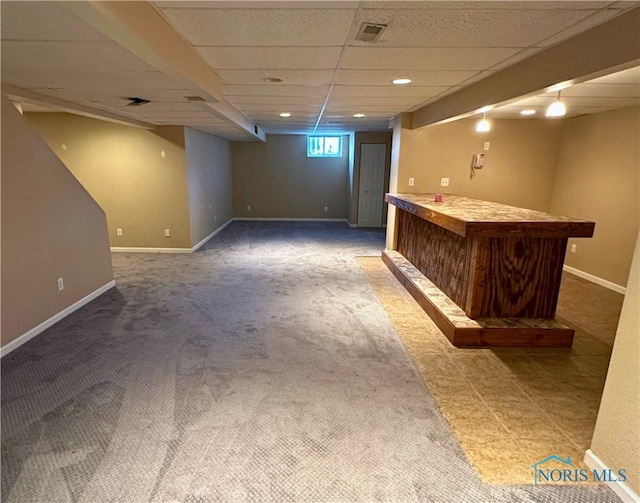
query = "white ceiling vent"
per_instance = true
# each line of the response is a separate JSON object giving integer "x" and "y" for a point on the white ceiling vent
{"x": 370, "y": 32}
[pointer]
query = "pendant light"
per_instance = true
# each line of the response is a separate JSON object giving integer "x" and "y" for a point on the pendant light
{"x": 556, "y": 109}
{"x": 483, "y": 125}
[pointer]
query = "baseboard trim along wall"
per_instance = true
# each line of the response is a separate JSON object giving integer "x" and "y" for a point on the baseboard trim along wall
{"x": 120, "y": 249}
{"x": 219, "y": 229}
{"x": 625, "y": 493}
{"x": 27, "y": 336}
{"x": 259, "y": 219}
{"x": 595, "y": 279}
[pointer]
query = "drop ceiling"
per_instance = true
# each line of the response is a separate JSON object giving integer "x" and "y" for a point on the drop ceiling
{"x": 56, "y": 57}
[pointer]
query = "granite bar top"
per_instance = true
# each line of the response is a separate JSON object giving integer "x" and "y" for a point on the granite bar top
{"x": 473, "y": 217}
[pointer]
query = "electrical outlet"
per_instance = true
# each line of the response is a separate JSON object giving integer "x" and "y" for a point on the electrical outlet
{"x": 326, "y": 208}
{"x": 248, "y": 207}
{"x": 486, "y": 145}
{"x": 444, "y": 182}
{"x": 167, "y": 233}
{"x": 60, "y": 284}
{"x": 411, "y": 182}
{"x": 119, "y": 231}
{"x": 574, "y": 248}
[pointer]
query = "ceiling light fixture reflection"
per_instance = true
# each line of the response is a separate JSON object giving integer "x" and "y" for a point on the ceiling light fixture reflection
{"x": 556, "y": 109}
{"x": 285, "y": 114}
{"x": 272, "y": 80}
{"x": 483, "y": 125}
{"x": 559, "y": 86}
{"x": 401, "y": 82}
{"x": 527, "y": 112}
{"x": 358, "y": 115}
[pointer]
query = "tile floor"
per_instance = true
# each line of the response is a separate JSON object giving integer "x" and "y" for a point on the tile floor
{"x": 511, "y": 407}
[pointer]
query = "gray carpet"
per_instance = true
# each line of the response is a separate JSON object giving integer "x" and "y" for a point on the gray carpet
{"x": 261, "y": 368}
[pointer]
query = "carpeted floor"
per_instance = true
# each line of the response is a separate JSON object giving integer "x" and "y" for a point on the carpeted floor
{"x": 261, "y": 368}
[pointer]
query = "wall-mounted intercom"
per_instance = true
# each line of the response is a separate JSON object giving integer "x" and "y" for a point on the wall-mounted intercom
{"x": 477, "y": 162}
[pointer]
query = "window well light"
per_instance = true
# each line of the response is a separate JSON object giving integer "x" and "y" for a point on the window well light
{"x": 556, "y": 109}
{"x": 527, "y": 112}
{"x": 483, "y": 125}
{"x": 285, "y": 114}
{"x": 400, "y": 82}
{"x": 358, "y": 115}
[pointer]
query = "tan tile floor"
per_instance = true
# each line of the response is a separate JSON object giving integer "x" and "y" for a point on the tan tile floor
{"x": 511, "y": 407}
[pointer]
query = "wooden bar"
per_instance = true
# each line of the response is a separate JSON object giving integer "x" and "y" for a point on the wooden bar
{"x": 493, "y": 261}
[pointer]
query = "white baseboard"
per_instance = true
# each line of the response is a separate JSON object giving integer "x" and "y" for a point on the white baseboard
{"x": 27, "y": 336}
{"x": 260, "y": 219}
{"x": 595, "y": 279}
{"x": 219, "y": 229}
{"x": 119, "y": 249}
{"x": 625, "y": 493}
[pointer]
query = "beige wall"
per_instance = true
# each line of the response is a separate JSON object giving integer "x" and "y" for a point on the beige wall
{"x": 519, "y": 167}
{"x": 209, "y": 182}
{"x": 51, "y": 228}
{"x": 360, "y": 138}
{"x": 616, "y": 439}
{"x": 278, "y": 180}
{"x": 598, "y": 178}
{"x": 122, "y": 168}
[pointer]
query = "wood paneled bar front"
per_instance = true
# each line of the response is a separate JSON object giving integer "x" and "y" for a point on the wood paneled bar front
{"x": 488, "y": 274}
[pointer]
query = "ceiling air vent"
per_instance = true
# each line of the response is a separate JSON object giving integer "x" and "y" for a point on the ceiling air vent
{"x": 136, "y": 102}
{"x": 370, "y": 32}
{"x": 195, "y": 98}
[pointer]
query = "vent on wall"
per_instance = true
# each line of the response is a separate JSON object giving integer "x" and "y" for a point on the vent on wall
{"x": 370, "y": 32}
{"x": 137, "y": 102}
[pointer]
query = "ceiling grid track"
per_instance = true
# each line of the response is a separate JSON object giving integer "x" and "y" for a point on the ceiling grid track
{"x": 354, "y": 27}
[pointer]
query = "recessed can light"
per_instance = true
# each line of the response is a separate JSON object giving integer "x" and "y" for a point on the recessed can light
{"x": 272, "y": 80}
{"x": 527, "y": 112}
{"x": 285, "y": 114}
{"x": 358, "y": 116}
{"x": 400, "y": 82}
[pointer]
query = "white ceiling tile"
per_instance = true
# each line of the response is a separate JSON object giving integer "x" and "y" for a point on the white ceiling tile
{"x": 269, "y": 107}
{"x": 470, "y": 28}
{"x": 104, "y": 80}
{"x": 276, "y": 100}
{"x": 419, "y": 77}
{"x": 257, "y": 4}
{"x": 44, "y": 21}
{"x": 69, "y": 56}
{"x": 388, "y": 91}
{"x": 274, "y": 90}
{"x": 409, "y": 59}
{"x": 247, "y": 58}
{"x": 369, "y": 101}
{"x": 512, "y": 60}
{"x": 629, "y": 76}
{"x": 501, "y": 4}
{"x": 570, "y": 31}
{"x": 603, "y": 90}
{"x": 289, "y": 77}
{"x": 261, "y": 27}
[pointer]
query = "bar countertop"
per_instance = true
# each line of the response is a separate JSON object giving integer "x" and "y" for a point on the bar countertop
{"x": 473, "y": 217}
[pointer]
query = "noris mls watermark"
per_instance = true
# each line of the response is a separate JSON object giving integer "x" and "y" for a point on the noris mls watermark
{"x": 560, "y": 470}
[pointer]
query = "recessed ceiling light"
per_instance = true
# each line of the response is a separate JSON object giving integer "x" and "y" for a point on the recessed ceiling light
{"x": 400, "y": 82}
{"x": 272, "y": 79}
{"x": 358, "y": 116}
{"x": 527, "y": 112}
{"x": 285, "y": 114}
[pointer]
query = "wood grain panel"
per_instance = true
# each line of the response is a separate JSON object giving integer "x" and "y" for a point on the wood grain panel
{"x": 515, "y": 277}
{"x": 439, "y": 254}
